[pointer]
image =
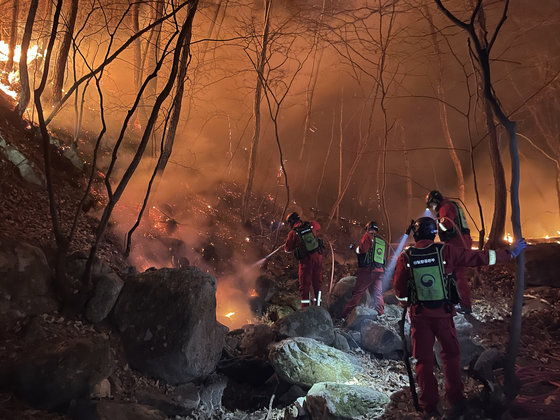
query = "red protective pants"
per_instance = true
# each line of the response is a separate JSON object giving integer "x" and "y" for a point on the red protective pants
{"x": 424, "y": 331}
{"x": 310, "y": 275}
{"x": 461, "y": 272}
{"x": 367, "y": 279}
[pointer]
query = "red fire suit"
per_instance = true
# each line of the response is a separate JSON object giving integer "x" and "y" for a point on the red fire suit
{"x": 310, "y": 267}
{"x": 431, "y": 323}
{"x": 447, "y": 214}
{"x": 368, "y": 278}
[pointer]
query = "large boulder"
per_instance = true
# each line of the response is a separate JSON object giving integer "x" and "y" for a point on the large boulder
{"x": 313, "y": 322}
{"x": 305, "y": 361}
{"x": 381, "y": 341}
{"x": 328, "y": 400}
{"x": 167, "y": 320}
{"x": 52, "y": 375}
{"x": 25, "y": 283}
{"x": 541, "y": 265}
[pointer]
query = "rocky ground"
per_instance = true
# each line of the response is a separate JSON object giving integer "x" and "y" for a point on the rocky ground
{"x": 25, "y": 217}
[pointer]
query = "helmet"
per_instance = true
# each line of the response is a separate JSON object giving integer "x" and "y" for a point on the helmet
{"x": 372, "y": 226}
{"x": 433, "y": 199}
{"x": 424, "y": 228}
{"x": 292, "y": 219}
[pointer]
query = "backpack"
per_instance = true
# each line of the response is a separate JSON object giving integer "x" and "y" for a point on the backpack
{"x": 310, "y": 243}
{"x": 429, "y": 285}
{"x": 375, "y": 257}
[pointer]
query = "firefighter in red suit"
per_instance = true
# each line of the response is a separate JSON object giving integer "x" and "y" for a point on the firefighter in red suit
{"x": 372, "y": 255}
{"x": 453, "y": 229}
{"x": 307, "y": 248}
{"x": 421, "y": 278}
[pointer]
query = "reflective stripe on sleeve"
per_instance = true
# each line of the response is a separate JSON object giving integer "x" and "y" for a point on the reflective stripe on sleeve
{"x": 492, "y": 257}
{"x": 404, "y": 299}
{"x": 442, "y": 227}
{"x": 306, "y": 301}
{"x": 319, "y": 298}
{"x": 357, "y": 250}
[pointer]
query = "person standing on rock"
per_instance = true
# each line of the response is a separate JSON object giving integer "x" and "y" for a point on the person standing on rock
{"x": 423, "y": 278}
{"x": 372, "y": 255}
{"x": 453, "y": 229}
{"x": 308, "y": 250}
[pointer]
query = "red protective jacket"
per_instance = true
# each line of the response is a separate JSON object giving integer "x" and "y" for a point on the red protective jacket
{"x": 454, "y": 257}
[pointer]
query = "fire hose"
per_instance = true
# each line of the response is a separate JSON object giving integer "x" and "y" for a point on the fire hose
{"x": 406, "y": 357}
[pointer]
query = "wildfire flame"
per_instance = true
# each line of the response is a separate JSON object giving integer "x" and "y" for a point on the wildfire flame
{"x": 229, "y": 315}
{"x": 253, "y": 293}
{"x": 13, "y": 77}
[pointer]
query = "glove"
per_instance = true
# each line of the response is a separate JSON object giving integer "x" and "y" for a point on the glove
{"x": 518, "y": 247}
{"x": 410, "y": 227}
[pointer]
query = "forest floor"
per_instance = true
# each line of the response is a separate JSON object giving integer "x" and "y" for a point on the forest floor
{"x": 24, "y": 216}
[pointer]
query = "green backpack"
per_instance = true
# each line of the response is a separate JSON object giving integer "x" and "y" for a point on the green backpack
{"x": 429, "y": 284}
{"x": 375, "y": 257}
{"x": 308, "y": 239}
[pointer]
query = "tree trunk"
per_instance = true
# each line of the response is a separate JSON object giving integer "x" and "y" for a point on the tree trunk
{"x": 261, "y": 62}
{"x": 341, "y": 138}
{"x": 60, "y": 68}
{"x": 13, "y": 37}
{"x": 153, "y": 52}
{"x": 25, "y": 94}
{"x": 440, "y": 94}
{"x": 497, "y": 230}
{"x": 137, "y": 46}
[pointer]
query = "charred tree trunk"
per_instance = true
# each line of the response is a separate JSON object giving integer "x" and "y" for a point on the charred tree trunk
{"x": 60, "y": 68}
{"x": 260, "y": 65}
{"x": 25, "y": 94}
{"x": 153, "y": 52}
{"x": 482, "y": 51}
{"x": 177, "y": 100}
{"x": 13, "y": 37}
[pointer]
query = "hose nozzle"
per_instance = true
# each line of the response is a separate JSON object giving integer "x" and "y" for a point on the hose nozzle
{"x": 410, "y": 227}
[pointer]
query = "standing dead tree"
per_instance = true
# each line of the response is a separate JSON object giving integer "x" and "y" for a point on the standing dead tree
{"x": 25, "y": 95}
{"x": 64, "y": 50}
{"x": 481, "y": 47}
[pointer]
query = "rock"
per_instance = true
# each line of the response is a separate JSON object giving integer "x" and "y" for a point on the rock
{"x": 211, "y": 394}
{"x": 102, "y": 389}
{"x": 250, "y": 340}
{"x": 105, "y": 293}
{"x": 291, "y": 395}
{"x": 328, "y": 400}
{"x": 305, "y": 361}
{"x": 359, "y": 315}
{"x": 167, "y": 320}
{"x": 340, "y": 342}
{"x": 341, "y": 294}
{"x": 274, "y": 312}
{"x": 541, "y": 265}
{"x": 313, "y": 322}
{"x": 381, "y": 341}
{"x": 54, "y": 374}
{"x": 112, "y": 410}
{"x": 27, "y": 169}
{"x": 161, "y": 402}
{"x": 25, "y": 283}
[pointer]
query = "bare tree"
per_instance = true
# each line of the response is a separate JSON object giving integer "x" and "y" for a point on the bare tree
{"x": 482, "y": 47}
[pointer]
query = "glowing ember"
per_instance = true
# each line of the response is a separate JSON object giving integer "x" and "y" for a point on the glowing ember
{"x": 230, "y": 315}
{"x": 546, "y": 237}
{"x": 508, "y": 238}
{"x": 253, "y": 293}
{"x": 247, "y": 239}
